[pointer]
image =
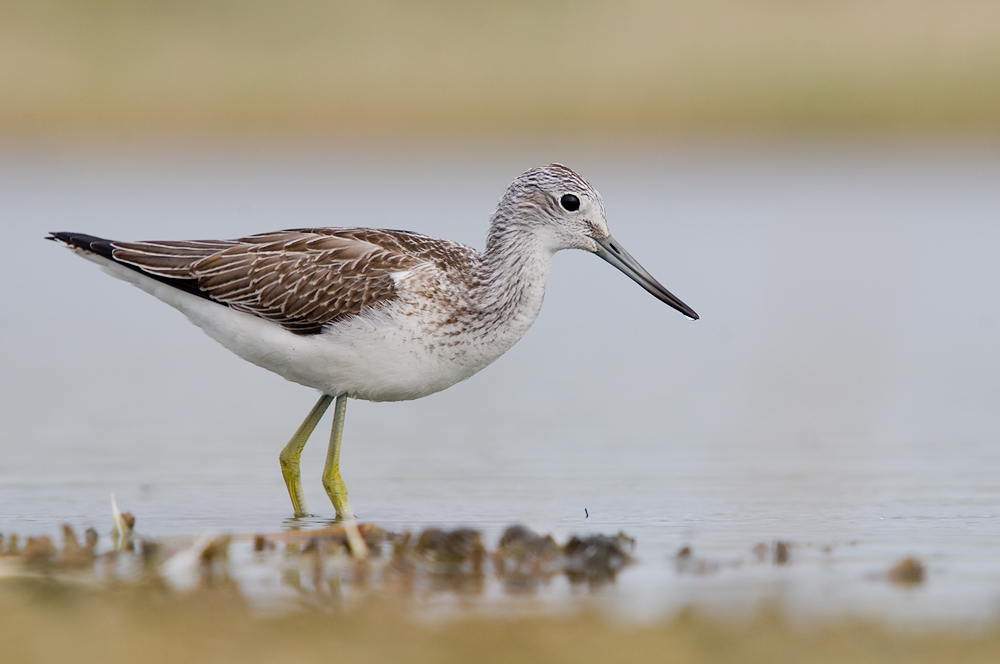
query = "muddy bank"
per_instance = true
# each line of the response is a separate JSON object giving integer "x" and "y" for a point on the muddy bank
{"x": 45, "y": 621}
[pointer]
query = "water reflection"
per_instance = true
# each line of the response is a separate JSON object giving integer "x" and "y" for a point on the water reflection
{"x": 319, "y": 567}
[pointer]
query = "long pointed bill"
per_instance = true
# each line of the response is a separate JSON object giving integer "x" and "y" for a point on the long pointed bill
{"x": 609, "y": 249}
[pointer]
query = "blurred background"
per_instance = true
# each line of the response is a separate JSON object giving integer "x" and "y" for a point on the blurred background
{"x": 819, "y": 180}
{"x": 334, "y": 67}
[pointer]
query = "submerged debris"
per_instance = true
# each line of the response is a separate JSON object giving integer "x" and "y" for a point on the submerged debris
{"x": 440, "y": 560}
{"x": 524, "y": 558}
{"x": 332, "y": 539}
{"x": 11, "y": 548}
{"x": 151, "y": 553}
{"x": 319, "y": 564}
{"x": 75, "y": 555}
{"x": 597, "y": 559}
{"x": 202, "y": 564}
{"x": 213, "y": 562}
{"x": 522, "y": 550}
{"x": 452, "y": 549}
{"x": 686, "y": 563}
{"x": 907, "y": 572}
{"x": 261, "y": 544}
{"x": 39, "y": 553}
{"x": 779, "y": 552}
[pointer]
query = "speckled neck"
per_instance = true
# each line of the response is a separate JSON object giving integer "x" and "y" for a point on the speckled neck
{"x": 511, "y": 276}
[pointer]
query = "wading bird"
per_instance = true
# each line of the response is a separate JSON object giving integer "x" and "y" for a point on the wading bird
{"x": 374, "y": 314}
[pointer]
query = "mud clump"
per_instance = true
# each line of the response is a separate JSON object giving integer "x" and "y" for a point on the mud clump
{"x": 74, "y": 554}
{"x": 907, "y": 572}
{"x": 687, "y": 563}
{"x": 319, "y": 564}
{"x": 597, "y": 559}
{"x": 10, "y": 547}
{"x": 328, "y": 540}
{"x": 452, "y": 550}
{"x": 39, "y": 554}
{"x": 779, "y": 552}
{"x": 523, "y": 558}
{"x": 438, "y": 560}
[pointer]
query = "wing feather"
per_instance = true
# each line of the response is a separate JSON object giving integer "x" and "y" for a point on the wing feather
{"x": 301, "y": 279}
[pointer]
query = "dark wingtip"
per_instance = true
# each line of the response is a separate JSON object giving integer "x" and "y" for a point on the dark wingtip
{"x": 61, "y": 236}
{"x": 90, "y": 244}
{"x": 82, "y": 242}
{"x": 76, "y": 239}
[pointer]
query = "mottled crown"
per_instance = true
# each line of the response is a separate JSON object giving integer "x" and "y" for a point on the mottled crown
{"x": 553, "y": 176}
{"x": 532, "y": 207}
{"x": 540, "y": 188}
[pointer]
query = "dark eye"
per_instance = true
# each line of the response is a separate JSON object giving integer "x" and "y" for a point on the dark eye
{"x": 570, "y": 202}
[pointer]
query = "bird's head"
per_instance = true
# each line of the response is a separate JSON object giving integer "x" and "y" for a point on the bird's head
{"x": 558, "y": 208}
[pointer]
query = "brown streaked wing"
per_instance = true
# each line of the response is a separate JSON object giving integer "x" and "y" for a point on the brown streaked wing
{"x": 298, "y": 278}
{"x": 167, "y": 258}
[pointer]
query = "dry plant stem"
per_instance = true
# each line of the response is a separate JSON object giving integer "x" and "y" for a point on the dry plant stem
{"x": 122, "y": 532}
{"x": 289, "y": 456}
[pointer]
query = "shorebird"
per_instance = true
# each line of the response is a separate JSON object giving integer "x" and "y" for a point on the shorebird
{"x": 363, "y": 313}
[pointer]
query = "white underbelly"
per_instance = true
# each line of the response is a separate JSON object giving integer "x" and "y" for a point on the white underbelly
{"x": 381, "y": 357}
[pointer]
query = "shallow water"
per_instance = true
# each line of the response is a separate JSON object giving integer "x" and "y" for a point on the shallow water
{"x": 839, "y": 393}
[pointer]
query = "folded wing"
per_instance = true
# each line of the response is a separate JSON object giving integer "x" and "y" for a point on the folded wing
{"x": 301, "y": 279}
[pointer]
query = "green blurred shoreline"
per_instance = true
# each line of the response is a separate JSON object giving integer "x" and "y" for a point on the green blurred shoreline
{"x": 308, "y": 66}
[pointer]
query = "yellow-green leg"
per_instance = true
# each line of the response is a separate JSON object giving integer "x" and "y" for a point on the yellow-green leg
{"x": 289, "y": 456}
{"x": 332, "y": 482}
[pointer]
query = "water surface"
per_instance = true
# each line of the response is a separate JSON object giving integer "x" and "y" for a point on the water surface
{"x": 839, "y": 393}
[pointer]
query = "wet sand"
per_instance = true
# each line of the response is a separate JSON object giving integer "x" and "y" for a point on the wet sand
{"x": 77, "y": 603}
{"x": 449, "y": 573}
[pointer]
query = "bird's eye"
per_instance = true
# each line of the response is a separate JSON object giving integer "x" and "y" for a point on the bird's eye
{"x": 570, "y": 202}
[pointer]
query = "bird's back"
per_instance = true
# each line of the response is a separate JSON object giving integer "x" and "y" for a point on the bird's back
{"x": 301, "y": 279}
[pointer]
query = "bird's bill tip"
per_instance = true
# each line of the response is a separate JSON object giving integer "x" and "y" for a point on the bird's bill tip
{"x": 610, "y": 250}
